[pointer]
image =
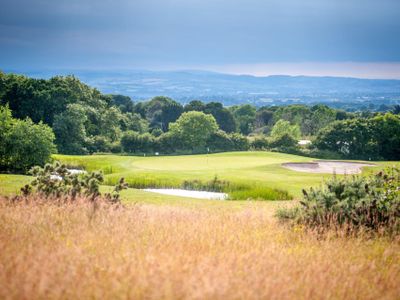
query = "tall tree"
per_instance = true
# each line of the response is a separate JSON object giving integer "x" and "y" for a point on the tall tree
{"x": 194, "y": 128}
{"x": 245, "y": 116}
{"x": 69, "y": 128}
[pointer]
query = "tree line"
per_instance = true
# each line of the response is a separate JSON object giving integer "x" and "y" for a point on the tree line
{"x": 79, "y": 119}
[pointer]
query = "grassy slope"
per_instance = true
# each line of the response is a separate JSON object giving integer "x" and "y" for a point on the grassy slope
{"x": 254, "y": 168}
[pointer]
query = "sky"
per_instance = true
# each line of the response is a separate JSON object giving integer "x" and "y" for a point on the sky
{"x": 356, "y": 38}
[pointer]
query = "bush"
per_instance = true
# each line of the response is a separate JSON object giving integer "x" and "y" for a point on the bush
{"x": 169, "y": 143}
{"x": 99, "y": 144}
{"x": 116, "y": 147}
{"x": 356, "y": 202}
{"x": 259, "y": 143}
{"x": 283, "y": 141}
{"x": 55, "y": 182}
{"x": 133, "y": 142}
{"x": 219, "y": 141}
{"x": 240, "y": 142}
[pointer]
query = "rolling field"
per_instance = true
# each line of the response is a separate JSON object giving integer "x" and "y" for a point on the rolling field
{"x": 255, "y": 175}
{"x": 255, "y": 170}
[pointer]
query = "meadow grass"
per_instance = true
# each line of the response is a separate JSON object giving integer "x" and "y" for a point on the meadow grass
{"x": 147, "y": 251}
{"x": 252, "y": 169}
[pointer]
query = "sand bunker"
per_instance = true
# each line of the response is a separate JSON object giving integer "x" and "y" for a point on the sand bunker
{"x": 191, "y": 194}
{"x": 70, "y": 171}
{"x": 326, "y": 166}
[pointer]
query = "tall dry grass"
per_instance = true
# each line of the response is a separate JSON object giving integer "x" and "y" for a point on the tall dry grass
{"x": 50, "y": 251}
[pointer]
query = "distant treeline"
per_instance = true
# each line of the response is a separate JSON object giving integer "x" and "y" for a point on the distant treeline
{"x": 86, "y": 121}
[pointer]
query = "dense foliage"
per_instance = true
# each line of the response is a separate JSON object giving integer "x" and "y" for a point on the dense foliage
{"x": 365, "y": 138}
{"x": 357, "y": 202}
{"x": 23, "y": 144}
{"x": 86, "y": 121}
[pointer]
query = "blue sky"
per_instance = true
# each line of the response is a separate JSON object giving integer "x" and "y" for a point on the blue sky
{"x": 312, "y": 37}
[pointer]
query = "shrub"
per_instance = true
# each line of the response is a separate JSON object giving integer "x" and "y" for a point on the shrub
{"x": 54, "y": 181}
{"x": 358, "y": 202}
{"x": 259, "y": 143}
{"x": 133, "y": 142}
{"x": 240, "y": 142}
{"x": 116, "y": 147}
{"x": 219, "y": 141}
{"x": 169, "y": 143}
{"x": 99, "y": 144}
{"x": 283, "y": 141}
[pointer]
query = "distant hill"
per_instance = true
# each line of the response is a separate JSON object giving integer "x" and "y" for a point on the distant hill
{"x": 235, "y": 89}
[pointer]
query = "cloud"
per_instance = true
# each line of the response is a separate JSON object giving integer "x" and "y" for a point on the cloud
{"x": 140, "y": 33}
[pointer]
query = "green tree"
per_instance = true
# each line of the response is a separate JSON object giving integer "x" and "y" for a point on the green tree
{"x": 386, "y": 132}
{"x": 134, "y": 142}
{"x": 245, "y": 116}
{"x": 23, "y": 144}
{"x": 6, "y": 123}
{"x": 350, "y": 138}
{"x": 110, "y": 124}
{"x": 283, "y": 127}
{"x": 195, "y": 105}
{"x": 194, "y": 128}
{"x": 160, "y": 111}
{"x": 124, "y": 103}
{"x": 219, "y": 141}
{"x": 223, "y": 116}
{"x": 69, "y": 128}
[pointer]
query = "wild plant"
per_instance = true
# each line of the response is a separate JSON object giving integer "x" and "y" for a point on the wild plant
{"x": 55, "y": 181}
{"x": 359, "y": 202}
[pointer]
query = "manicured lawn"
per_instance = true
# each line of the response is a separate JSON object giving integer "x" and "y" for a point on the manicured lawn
{"x": 261, "y": 169}
{"x": 11, "y": 184}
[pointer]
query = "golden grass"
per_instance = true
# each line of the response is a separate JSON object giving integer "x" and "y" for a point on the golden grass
{"x": 144, "y": 251}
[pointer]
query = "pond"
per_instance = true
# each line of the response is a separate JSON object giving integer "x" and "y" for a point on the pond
{"x": 191, "y": 194}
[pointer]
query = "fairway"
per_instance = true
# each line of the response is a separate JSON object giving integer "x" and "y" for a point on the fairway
{"x": 255, "y": 169}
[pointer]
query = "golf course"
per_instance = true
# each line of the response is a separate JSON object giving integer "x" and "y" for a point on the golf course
{"x": 257, "y": 175}
{"x": 170, "y": 247}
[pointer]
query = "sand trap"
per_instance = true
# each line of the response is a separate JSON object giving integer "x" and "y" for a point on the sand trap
{"x": 191, "y": 194}
{"x": 326, "y": 166}
{"x": 71, "y": 171}
{"x": 76, "y": 171}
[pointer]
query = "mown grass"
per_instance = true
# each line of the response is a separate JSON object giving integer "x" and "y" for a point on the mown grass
{"x": 11, "y": 184}
{"x": 171, "y": 252}
{"x": 253, "y": 169}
